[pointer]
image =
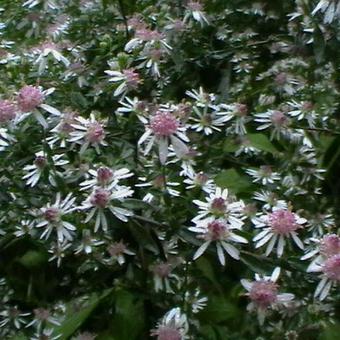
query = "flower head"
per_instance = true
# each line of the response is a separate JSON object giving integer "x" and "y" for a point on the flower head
{"x": 29, "y": 98}
{"x": 7, "y": 111}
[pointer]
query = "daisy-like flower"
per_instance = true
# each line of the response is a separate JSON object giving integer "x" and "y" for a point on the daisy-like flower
{"x": 277, "y": 226}
{"x": 5, "y": 139}
{"x": 276, "y": 120}
{"x": 330, "y": 8}
{"x": 87, "y": 243}
{"x": 25, "y": 228}
{"x": 7, "y": 111}
{"x": 238, "y": 113}
{"x": 303, "y": 111}
{"x": 264, "y": 174}
{"x": 196, "y": 301}
{"x": 200, "y": 180}
{"x": 163, "y": 129}
{"x": 30, "y": 99}
{"x": 132, "y": 105}
{"x": 202, "y": 98}
{"x": 218, "y": 231}
{"x": 52, "y": 218}
{"x": 102, "y": 200}
{"x": 264, "y": 294}
{"x": 129, "y": 79}
{"x": 270, "y": 199}
{"x": 163, "y": 275}
{"x": 35, "y": 171}
{"x": 105, "y": 177}
{"x": 88, "y": 132}
{"x": 12, "y": 315}
{"x": 117, "y": 251}
{"x": 220, "y": 205}
{"x": 149, "y": 38}
{"x": 48, "y": 50}
{"x": 61, "y": 132}
{"x": 173, "y": 326}
{"x": 58, "y": 251}
{"x": 195, "y": 10}
{"x": 42, "y": 317}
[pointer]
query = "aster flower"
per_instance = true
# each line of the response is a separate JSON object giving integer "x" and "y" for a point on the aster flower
{"x": 102, "y": 200}
{"x": 52, "y": 216}
{"x": 87, "y": 243}
{"x": 264, "y": 174}
{"x": 42, "y": 317}
{"x": 7, "y": 111}
{"x": 194, "y": 9}
{"x": 105, "y": 177}
{"x": 41, "y": 164}
{"x": 199, "y": 180}
{"x": 117, "y": 251}
{"x": 58, "y": 251}
{"x": 220, "y": 232}
{"x": 277, "y": 226}
{"x": 163, "y": 128}
{"x": 303, "y": 111}
{"x": 238, "y": 114}
{"x": 163, "y": 275}
{"x": 202, "y": 99}
{"x": 264, "y": 294}
{"x": 270, "y": 199}
{"x": 174, "y": 325}
{"x": 196, "y": 301}
{"x": 219, "y": 204}
{"x": 129, "y": 80}
{"x": 330, "y": 8}
{"x": 5, "y": 139}
{"x": 276, "y": 120}
{"x": 25, "y": 228}
{"x": 13, "y": 316}
{"x": 88, "y": 132}
{"x": 30, "y": 99}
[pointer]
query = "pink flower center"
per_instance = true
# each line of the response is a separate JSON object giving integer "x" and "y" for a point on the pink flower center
{"x": 195, "y": 6}
{"x": 241, "y": 110}
{"x": 95, "y": 133}
{"x": 281, "y": 79}
{"x": 201, "y": 178}
{"x": 167, "y": 333}
{"x": 218, "y": 206}
{"x": 147, "y": 35}
{"x": 330, "y": 245}
{"x": 164, "y": 124}
{"x": 29, "y": 98}
{"x": 263, "y": 293}
{"x": 40, "y": 162}
{"x": 217, "y": 231}
{"x": 162, "y": 270}
{"x": 331, "y": 268}
{"x": 104, "y": 175}
{"x": 279, "y": 119}
{"x": 52, "y": 214}
{"x": 100, "y": 198}
{"x": 7, "y": 111}
{"x": 116, "y": 249}
{"x": 132, "y": 78}
{"x": 283, "y": 222}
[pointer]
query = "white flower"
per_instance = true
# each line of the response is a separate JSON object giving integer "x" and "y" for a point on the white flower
{"x": 174, "y": 325}
{"x": 5, "y": 139}
{"x": 40, "y": 165}
{"x": 105, "y": 177}
{"x": 118, "y": 250}
{"x": 270, "y": 199}
{"x": 218, "y": 231}
{"x": 87, "y": 243}
{"x": 264, "y": 294}
{"x": 88, "y": 132}
{"x": 103, "y": 199}
{"x": 194, "y": 9}
{"x": 53, "y": 218}
{"x": 199, "y": 180}
{"x": 163, "y": 128}
{"x": 330, "y": 8}
{"x": 129, "y": 80}
{"x": 277, "y": 227}
{"x": 264, "y": 174}
{"x": 218, "y": 204}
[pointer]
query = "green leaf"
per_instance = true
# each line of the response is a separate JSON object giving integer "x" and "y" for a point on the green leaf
{"x": 74, "y": 320}
{"x": 33, "y": 259}
{"x": 261, "y": 142}
{"x": 258, "y": 264}
{"x": 232, "y": 180}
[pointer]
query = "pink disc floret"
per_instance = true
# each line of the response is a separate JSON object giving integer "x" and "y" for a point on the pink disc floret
{"x": 263, "y": 293}
{"x": 164, "y": 124}
{"x": 331, "y": 268}
{"x": 7, "y": 111}
{"x": 283, "y": 222}
{"x": 217, "y": 231}
{"x": 29, "y": 98}
{"x": 330, "y": 245}
{"x": 100, "y": 198}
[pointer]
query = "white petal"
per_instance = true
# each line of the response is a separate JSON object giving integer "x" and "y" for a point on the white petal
{"x": 201, "y": 250}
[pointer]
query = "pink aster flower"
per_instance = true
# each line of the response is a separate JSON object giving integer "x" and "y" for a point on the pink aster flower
{"x": 88, "y": 132}
{"x": 129, "y": 79}
{"x": 118, "y": 250}
{"x": 264, "y": 294}
{"x": 219, "y": 204}
{"x": 7, "y": 111}
{"x": 163, "y": 128}
{"x": 277, "y": 227}
{"x": 52, "y": 218}
{"x": 30, "y": 99}
{"x": 219, "y": 232}
{"x": 195, "y": 10}
{"x": 102, "y": 200}
{"x": 173, "y": 326}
